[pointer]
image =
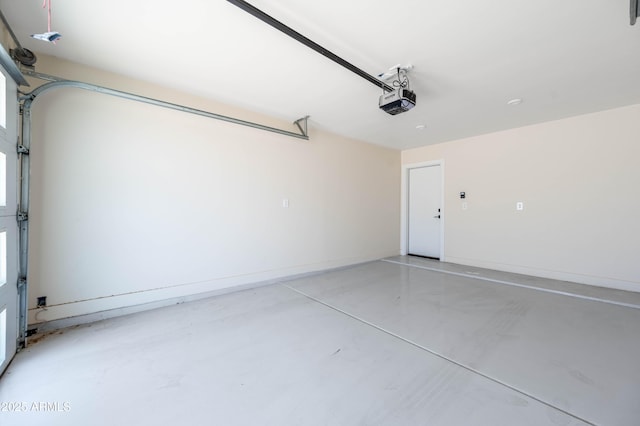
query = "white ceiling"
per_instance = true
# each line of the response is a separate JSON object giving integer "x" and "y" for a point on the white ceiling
{"x": 562, "y": 57}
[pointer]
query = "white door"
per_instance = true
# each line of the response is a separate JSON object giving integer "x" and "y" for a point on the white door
{"x": 425, "y": 194}
{"x": 8, "y": 223}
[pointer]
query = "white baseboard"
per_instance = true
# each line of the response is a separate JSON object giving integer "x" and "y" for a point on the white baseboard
{"x": 86, "y": 311}
{"x": 556, "y": 275}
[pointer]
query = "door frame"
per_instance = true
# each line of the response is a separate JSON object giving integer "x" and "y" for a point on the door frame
{"x": 404, "y": 205}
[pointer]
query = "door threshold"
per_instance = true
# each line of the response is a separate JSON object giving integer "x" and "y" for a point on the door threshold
{"x": 424, "y": 257}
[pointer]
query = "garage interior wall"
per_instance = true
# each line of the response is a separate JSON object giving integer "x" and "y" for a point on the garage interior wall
{"x": 132, "y": 203}
{"x": 578, "y": 181}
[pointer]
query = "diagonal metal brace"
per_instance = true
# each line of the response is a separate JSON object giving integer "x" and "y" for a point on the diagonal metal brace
{"x": 304, "y": 128}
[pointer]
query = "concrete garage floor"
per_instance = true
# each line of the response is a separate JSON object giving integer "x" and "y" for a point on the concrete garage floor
{"x": 403, "y": 341}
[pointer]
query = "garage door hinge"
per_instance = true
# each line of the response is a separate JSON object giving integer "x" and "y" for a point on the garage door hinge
{"x": 22, "y": 282}
{"x": 23, "y": 150}
{"x": 23, "y": 216}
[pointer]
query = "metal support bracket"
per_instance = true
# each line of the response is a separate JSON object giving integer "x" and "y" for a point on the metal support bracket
{"x": 304, "y": 127}
{"x": 22, "y": 216}
{"x": 23, "y": 150}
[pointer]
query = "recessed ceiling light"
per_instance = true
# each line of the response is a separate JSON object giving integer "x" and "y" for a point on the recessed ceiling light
{"x": 516, "y": 101}
{"x": 420, "y": 126}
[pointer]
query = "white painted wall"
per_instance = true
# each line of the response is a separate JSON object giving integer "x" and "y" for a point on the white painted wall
{"x": 578, "y": 179}
{"x": 133, "y": 204}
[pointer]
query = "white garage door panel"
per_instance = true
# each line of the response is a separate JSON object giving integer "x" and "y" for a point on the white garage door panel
{"x": 8, "y": 224}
